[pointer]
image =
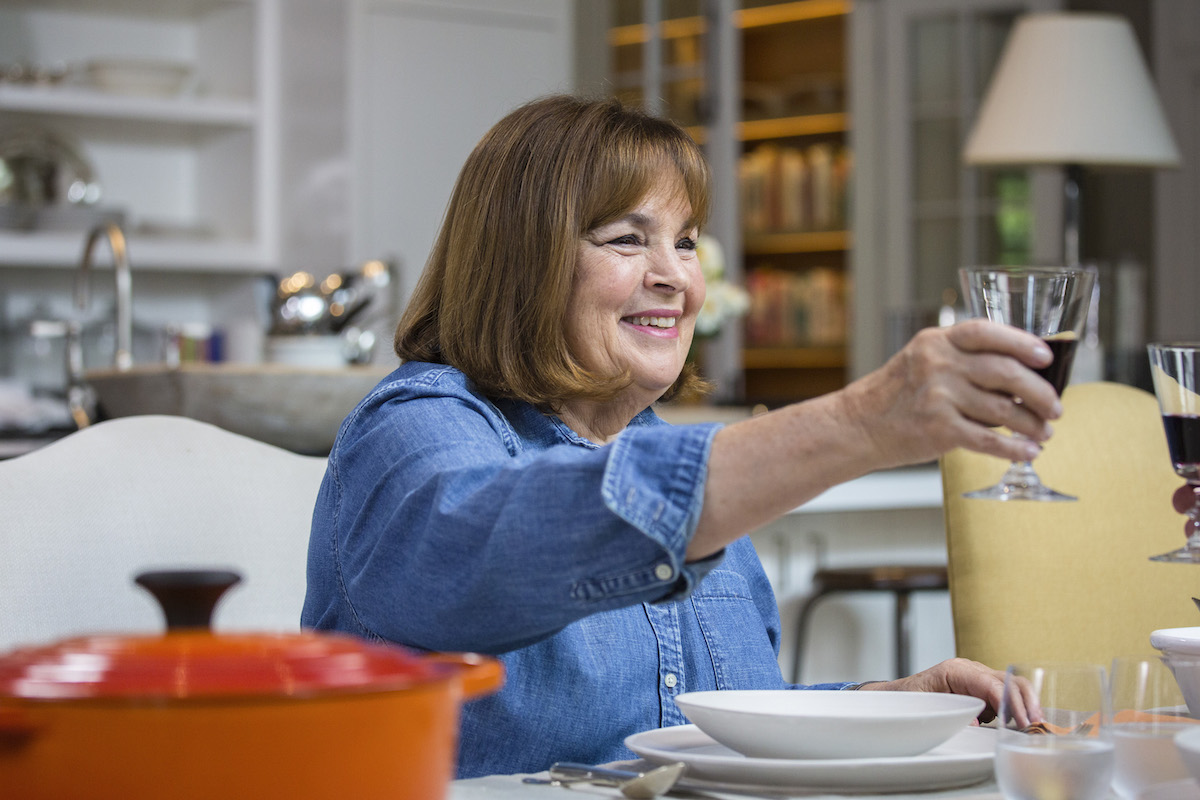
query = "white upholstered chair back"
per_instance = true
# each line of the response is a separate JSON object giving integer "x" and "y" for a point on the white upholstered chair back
{"x": 80, "y": 517}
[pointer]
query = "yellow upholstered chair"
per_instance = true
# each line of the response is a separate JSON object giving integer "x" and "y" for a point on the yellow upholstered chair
{"x": 1071, "y": 581}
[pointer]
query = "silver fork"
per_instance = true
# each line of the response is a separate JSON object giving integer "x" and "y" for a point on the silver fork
{"x": 638, "y": 785}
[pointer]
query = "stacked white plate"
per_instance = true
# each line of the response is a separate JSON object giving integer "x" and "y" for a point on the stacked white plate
{"x": 825, "y": 740}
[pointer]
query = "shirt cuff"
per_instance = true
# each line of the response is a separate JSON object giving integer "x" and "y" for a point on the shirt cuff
{"x": 654, "y": 480}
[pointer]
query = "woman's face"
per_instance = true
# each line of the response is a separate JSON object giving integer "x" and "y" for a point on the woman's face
{"x": 637, "y": 291}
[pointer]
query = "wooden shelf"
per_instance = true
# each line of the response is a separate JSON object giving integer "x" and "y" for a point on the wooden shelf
{"x": 807, "y": 84}
{"x": 828, "y": 357}
{"x": 777, "y": 14}
{"x": 784, "y": 127}
{"x": 765, "y": 244}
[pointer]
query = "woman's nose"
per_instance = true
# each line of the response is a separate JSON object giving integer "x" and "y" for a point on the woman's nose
{"x": 669, "y": 271}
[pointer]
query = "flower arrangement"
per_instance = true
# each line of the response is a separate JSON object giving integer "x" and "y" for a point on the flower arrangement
{"x": 723, "y": 300}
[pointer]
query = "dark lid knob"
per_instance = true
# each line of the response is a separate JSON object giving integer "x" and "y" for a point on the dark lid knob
{"x": 188, "y": 597}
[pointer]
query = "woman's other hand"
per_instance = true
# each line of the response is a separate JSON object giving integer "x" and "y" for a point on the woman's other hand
{"x": 961, "y": 676}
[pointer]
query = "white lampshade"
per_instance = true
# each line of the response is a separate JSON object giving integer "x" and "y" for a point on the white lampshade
{"x": 1072, "y": 88}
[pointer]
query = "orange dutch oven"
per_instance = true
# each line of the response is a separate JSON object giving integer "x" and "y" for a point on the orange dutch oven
{"x": 193, "y": 714}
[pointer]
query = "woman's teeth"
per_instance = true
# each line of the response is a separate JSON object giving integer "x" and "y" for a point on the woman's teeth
{"x": 655, "y": 322}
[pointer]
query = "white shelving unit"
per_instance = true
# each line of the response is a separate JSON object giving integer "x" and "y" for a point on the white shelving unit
{"x": 196, "y": 173}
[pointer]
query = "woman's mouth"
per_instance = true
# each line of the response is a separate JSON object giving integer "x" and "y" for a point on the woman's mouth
{"x": 651, "y": 322}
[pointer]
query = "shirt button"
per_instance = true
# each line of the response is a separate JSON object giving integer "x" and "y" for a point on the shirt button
{"x": 670, "y": 680}
{"x": 664, "y": 572}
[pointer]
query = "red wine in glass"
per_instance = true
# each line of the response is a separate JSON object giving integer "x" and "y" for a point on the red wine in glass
{"x": 1183, "y": 440}
{"x": 1063, "y": 347}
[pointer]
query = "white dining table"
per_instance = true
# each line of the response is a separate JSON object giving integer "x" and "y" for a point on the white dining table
{"x": 513, "y": 787}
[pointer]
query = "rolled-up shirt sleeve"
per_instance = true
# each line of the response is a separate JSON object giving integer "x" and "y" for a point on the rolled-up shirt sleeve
{"x": 446, "y": 525}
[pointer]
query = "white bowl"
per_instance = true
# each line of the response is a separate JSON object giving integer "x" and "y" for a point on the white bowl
{"x": 813, "y": 723}
{"x": 1182, "y": 641}
{"x": 1181, "y": 653}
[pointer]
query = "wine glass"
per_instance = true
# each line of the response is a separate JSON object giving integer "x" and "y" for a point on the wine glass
{"x": 1053, "y": 738}
{"x": 1175, "y": 368}
{"x": 1148, "y": 710}
{"x": 1051, "y": 302}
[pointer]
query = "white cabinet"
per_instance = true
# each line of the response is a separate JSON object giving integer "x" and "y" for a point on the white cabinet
{"x": 196, "y": 171}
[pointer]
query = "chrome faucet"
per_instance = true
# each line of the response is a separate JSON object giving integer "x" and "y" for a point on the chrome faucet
{"x": 123, "y": 356}
{"x": 81, "y": 399}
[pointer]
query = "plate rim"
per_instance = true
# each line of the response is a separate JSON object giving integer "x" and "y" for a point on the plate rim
{"x": 965, "y": 768}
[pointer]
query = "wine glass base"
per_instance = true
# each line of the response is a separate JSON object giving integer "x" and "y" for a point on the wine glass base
{"x": 1183, "y": 555}
{"x": 1007, "y": 491}
{"x": 1020, "y": 482}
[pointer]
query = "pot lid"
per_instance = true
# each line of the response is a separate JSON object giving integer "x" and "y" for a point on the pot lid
{"x": 191, "y": 662}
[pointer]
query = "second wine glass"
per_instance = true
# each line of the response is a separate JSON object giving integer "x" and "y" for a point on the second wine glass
{"x": 1175, "y": 370}
{"x": 1051, "y": 302}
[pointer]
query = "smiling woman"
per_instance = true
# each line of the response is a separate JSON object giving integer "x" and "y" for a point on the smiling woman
{"x": 632, "y": 311}
{"x": 493, "y": 298}
{"x": 510, "y": 490}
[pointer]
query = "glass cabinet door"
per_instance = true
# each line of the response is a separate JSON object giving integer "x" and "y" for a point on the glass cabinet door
{"x": 761, "y": 84}
{"x": 920, "y": 69}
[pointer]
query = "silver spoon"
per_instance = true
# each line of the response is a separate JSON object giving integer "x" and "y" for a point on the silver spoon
{"x": 641, "y": 785}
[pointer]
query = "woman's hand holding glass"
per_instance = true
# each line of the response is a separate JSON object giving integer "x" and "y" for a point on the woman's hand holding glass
{"x": 1051, "y": 303}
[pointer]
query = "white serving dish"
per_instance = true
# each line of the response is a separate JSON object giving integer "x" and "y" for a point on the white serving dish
{"x": 1182, "y": 641}
{"x": 796, "y": 724}
{"x": 1181, "y": 652}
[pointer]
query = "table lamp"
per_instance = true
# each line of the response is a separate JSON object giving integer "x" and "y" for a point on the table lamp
{"x": 1071, "y": 89}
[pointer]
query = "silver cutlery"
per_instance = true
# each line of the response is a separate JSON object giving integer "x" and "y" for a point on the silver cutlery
{"x": 643, "y": 785}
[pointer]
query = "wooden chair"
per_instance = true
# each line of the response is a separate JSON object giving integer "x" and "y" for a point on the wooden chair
{"x": 1071, "y": 581}
{"x": 898, "y": 580}
{"x": 83, "y": 515}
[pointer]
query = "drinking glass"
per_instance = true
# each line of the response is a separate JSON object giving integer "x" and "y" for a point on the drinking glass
{"x": 1148, "y": 710}
{"x": 1051, "y": 302}
{"x": 1053, "y": 739}
{"x": 1176, "y": 372}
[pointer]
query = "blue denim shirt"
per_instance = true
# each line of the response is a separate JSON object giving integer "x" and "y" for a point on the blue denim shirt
{"x": 450, "y": 522}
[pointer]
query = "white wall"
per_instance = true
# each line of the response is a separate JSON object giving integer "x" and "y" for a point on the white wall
{"x": 428, "y": 80}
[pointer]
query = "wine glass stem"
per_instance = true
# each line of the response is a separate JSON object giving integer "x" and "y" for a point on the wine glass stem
{"x": 1021, "y": 473}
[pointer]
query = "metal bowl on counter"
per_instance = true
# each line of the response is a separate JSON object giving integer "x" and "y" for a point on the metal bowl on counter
{"x": 299, "y": 408}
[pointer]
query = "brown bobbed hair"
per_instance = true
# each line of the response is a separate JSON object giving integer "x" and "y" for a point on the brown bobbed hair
{"x": 493, "y": 296}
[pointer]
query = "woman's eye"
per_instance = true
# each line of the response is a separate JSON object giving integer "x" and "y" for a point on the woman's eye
{"x": 686, "y": 243}
{"x": 628, "y": 239}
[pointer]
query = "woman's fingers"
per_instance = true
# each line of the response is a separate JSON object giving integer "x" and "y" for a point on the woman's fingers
{"x": 956, "y": 387}
{"x": 955, "y": 676}
{"x": 1184, "y": 498}
{"x": 1001, "y": 360}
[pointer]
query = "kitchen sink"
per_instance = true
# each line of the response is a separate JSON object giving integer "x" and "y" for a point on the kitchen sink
{"x": 298, "y": 408}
